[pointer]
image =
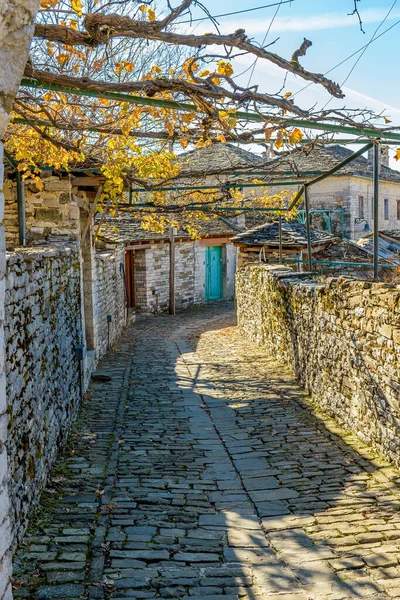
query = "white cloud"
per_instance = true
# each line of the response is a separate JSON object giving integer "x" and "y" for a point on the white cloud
{"x": 302, "y": 23}
{"x": 373, "y": 103}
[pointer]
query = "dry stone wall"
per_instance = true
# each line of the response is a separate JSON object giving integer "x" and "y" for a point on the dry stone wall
{"x": 43, "y": 326}
{"x": 109, "y": 299}
{"x": 5, "y": 524}
{"x": 340, "y": 336}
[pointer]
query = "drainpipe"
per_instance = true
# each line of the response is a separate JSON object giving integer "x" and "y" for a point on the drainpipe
{"x": 377, "y": 156}
{"x": 307, "y": 207}
{"x": 21, "y": 210}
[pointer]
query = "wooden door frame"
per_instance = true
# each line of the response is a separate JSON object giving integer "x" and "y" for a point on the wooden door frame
{"x": 130, "y": 278}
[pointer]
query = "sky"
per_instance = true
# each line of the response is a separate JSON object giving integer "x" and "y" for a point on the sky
{"x": 375, "y": 81}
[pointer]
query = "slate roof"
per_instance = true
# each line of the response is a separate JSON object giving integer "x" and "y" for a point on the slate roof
{"x": 323, "y": 159}
{"x": 293, "y": 234}
{"x": 125, "y": 230}
{"x": 346, "y": 250}
{"x": 391, "y": 255}
{"x": 218, "y": 156}
{"x": 392, "y": 233}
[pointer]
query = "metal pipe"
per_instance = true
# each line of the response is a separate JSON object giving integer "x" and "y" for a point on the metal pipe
{"x": 21, "y": 210}
{"x": 162, "y": 135}
{"x": 307, "y": 207}
{"x": 144, "y": 205}
{"x": 339, "y": 263}
{"x": 377, "y": 151}
{"x": 172, "y": 233}
{"x": 280, "y": 240}
{"x": 176, "y": 188}
{"x": 182, "y": 106}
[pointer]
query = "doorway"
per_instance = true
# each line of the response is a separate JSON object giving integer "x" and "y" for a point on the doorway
{"x": 213, "y": 289}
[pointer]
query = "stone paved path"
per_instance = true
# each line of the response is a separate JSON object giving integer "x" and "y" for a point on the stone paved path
{"x": 200, "y": 472}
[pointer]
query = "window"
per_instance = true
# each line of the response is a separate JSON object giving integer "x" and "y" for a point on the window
{"x": 361, "y": 207}
{"x": 398, "y": 210}
{"x": 386, "y": 209}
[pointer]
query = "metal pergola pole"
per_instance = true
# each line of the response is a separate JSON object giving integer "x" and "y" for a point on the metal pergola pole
{"x": 307, "y": 207}
{"x": 172, "y": 233}
{"x": 377, "y": 151}
{"x": 183, "y": 106}
{"x": 21, "y": 209}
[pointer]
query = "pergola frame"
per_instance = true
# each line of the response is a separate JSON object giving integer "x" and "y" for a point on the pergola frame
{"x": 373, "y": 136}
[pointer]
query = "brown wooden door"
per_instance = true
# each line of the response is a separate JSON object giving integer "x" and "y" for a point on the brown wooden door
{"x": 129, "y": 277}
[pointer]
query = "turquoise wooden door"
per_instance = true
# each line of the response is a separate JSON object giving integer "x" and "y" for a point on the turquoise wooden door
{"x": 213, "y": 273}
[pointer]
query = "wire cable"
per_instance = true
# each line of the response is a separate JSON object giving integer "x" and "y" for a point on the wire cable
{"x": 237, "y": 12}
{"x": 339, "y": 64}
{"x": 263, "y": 42}
{"x": 364, "y": 50}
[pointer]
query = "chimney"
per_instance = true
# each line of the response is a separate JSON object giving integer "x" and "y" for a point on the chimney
{"x": 384, "y": 156}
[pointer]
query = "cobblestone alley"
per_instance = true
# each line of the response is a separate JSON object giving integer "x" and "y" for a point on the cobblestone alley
{"x": 199, "y": 471}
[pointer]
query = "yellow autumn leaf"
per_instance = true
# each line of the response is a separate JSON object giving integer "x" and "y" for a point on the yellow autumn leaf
{"x": 184, "y": 142}
{"x": 268, "y": 132}
{"x": 77, "y": 6}
{"x": 295, "y": 136}
{"x": 50, "y": 48}
{"x": 118, "y": 67}
{"x": 387, "y": 120}
{"x": 221, "y": 138}
{"x": 224, "y": 68}
{"x": 48, "y": 3}
{"x": 279, "y": 139}
{"x": 143, "y": 8}
{"x": 62, "y": 59}
{"x": 125, "y": 128}
{"x": 129, "y": 66}
{"x": 397, "y": 155}
{"x": 151, "y": 14}
{"x": 204, "y": 73}
{"x": 73, "y": 23}
{"x": 287, "y": 95}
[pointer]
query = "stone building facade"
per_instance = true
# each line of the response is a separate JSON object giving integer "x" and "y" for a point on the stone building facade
{"x": 341, "y": 338}
{"x": 147, "y": 263}
{"x": 350, "y": 189}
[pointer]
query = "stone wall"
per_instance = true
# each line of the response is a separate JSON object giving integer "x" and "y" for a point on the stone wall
{"x": 43, "y": 326}
{"x": 5, "y": 526}
{"x": 52, "y": 214}
{"x": 109, "y": 299}
{"x": 342, "y": 339}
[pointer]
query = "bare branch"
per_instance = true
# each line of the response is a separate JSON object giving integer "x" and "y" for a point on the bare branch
{"x": 202, "y": 88}
{"x": 101, "y": 28}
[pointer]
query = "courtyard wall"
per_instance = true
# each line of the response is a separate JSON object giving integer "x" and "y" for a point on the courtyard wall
{"x": 109, "y": 298}
{"x": 341, "y": 338}
{"x": 42, "y": 328}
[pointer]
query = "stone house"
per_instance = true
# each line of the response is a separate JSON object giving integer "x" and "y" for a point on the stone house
{"x": 261, "y": 244}
{"x": 204, "y": 268}
{"x": 350, "y": 189}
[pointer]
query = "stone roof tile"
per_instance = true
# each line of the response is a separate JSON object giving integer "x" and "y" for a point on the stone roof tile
{"x": 293, "y": 234}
